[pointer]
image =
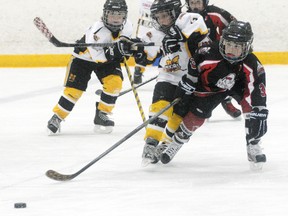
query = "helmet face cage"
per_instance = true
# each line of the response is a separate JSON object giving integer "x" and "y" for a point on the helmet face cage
{"x": 170, "y": 7}
{"x": 205, "y": 4}
{"x": 117, "y": 8}
{"x": 237, "y": 35}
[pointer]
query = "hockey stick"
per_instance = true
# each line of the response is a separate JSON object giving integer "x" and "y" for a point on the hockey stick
{"x": 67, "y": 177}
{"x": 99, "y": 91}
{"x": 48, "y": 34}
{"x": 139, "y": 105}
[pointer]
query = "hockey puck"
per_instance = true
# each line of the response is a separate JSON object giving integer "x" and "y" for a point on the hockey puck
{"x": 20, "y": 205}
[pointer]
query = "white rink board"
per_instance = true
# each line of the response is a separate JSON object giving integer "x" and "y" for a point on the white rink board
{"x": 68, "y": 20}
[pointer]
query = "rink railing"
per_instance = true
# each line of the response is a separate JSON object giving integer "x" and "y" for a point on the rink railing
{"x": 61, "y": 60}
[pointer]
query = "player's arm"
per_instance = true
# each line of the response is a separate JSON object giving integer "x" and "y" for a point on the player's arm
{"x": 256, "y": 123}
{"x": 148, "y": 54}
{"x": 220, "y": 17}
{"x": 189, "y": 27}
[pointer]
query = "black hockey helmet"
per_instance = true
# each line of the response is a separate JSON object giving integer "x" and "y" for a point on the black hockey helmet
{"x": 172, "y": 7}
{"x": 205, "y": 4}
{"x": 112, "y": 7}
{"x": 240, "y": 33}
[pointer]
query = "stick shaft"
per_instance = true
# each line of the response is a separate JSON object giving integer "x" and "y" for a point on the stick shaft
{"x": 63, "y": 177}
{"x": 48, "y": 34}
{"x": 139, "y": 105}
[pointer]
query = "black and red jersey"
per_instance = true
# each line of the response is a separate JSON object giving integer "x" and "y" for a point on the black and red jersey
{"x": 216, "y": 20}
{"x": 215, "y": 75}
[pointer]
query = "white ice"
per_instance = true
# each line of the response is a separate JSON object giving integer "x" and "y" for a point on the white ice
{"x": 209, "y": 176}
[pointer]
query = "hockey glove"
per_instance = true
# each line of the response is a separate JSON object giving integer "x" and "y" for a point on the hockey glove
{"x": 257, "y": 123}
{"x": 120, "y": 49}
{"x": 123, "y": 46}
{"x": 170, "y": 42}
{"x": 185, "y": 88}
{"x": 141, "y": 58}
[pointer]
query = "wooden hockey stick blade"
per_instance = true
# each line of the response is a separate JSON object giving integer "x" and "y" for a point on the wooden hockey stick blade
{"x": 48, "y": 34}
{"x": 64, "y": 177}
{"x": 59, "y": 177}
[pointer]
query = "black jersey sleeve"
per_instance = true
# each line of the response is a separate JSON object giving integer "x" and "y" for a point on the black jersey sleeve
{"x": 256, "y": 81}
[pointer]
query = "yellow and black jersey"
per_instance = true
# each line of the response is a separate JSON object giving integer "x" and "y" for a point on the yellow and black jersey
{"x": 98, "y": 33}
{"x": 173, "y": 66}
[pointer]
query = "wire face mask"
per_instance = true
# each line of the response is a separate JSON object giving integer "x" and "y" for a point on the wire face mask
{"x": 163, "y": 20}
{"x": 234, "y": 51}
{"x": 236, "y": 41}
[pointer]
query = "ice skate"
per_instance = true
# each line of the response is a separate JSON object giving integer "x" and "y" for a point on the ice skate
{"x": 149, "y": 152}
{"x": 170, "y": 151}
{"x": 54, "y": 125}
{"x": 255, "y": 156}
{"x": 159, "y": 150}
{"x": 102, "y": 122}
{"x": 137, "y": 78}
{"x": 230, "y": 109}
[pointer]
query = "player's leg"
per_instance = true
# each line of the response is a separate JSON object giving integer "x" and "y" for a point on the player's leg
{"x": 77, "y": 76}
{"x": 163, "y": 94}
{"x": 111, "y": 78}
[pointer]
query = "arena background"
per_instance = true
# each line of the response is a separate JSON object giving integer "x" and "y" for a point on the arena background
{"x": 22, "y": 45}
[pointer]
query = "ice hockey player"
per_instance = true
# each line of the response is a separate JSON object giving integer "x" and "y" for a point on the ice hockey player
{"x": 144, "y": 25}
{"x": 215, "y": 72}
{"x": 216, "y": 20}
{"x": 175, "y": 35}
{"x": 104, "y": 62}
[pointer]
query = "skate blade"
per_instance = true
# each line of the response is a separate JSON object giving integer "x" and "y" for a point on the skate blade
{"x": 102, "y": 129}
{"x": 146, "y": 161}
{"x": 50, "y": 133}
{"x": 256, "y": 166}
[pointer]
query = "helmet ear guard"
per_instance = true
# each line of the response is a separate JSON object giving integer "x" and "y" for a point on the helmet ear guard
{"x": 239, "y": 33}
{"x": 114, "y": 6}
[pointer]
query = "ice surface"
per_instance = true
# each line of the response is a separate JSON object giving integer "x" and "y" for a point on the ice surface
{"x": 209, "y": 176}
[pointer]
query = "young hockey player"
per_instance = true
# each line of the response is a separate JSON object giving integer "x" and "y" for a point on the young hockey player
{"x": 144, "y": 25}
{"x": 176, "y": 36}
{"x": 104, "y": 62}
{"x": 216, "y": 71}
{"x": 216, "y": 20}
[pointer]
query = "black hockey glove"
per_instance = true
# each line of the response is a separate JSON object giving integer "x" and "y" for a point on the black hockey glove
{"x": 120, "y": 49}
{"x": 185, "y": 88}
{"x": 124, "y": 46}
{"x": 170, "y": 42}
{"x": 184, "y": 91}
{"x": 141, "y": 57}
{"x": 257, "y": 123}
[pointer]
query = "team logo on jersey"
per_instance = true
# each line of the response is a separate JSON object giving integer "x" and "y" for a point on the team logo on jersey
{"x": 194, "y": 19}
{"x": 96, "y": 38}
{"x": 149, "y": 34}
{"x": 262, "y": 89}
{"x": 71, "y": 77}
{"x": 172, "y": 64}
{"x": 226, "y": 82}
